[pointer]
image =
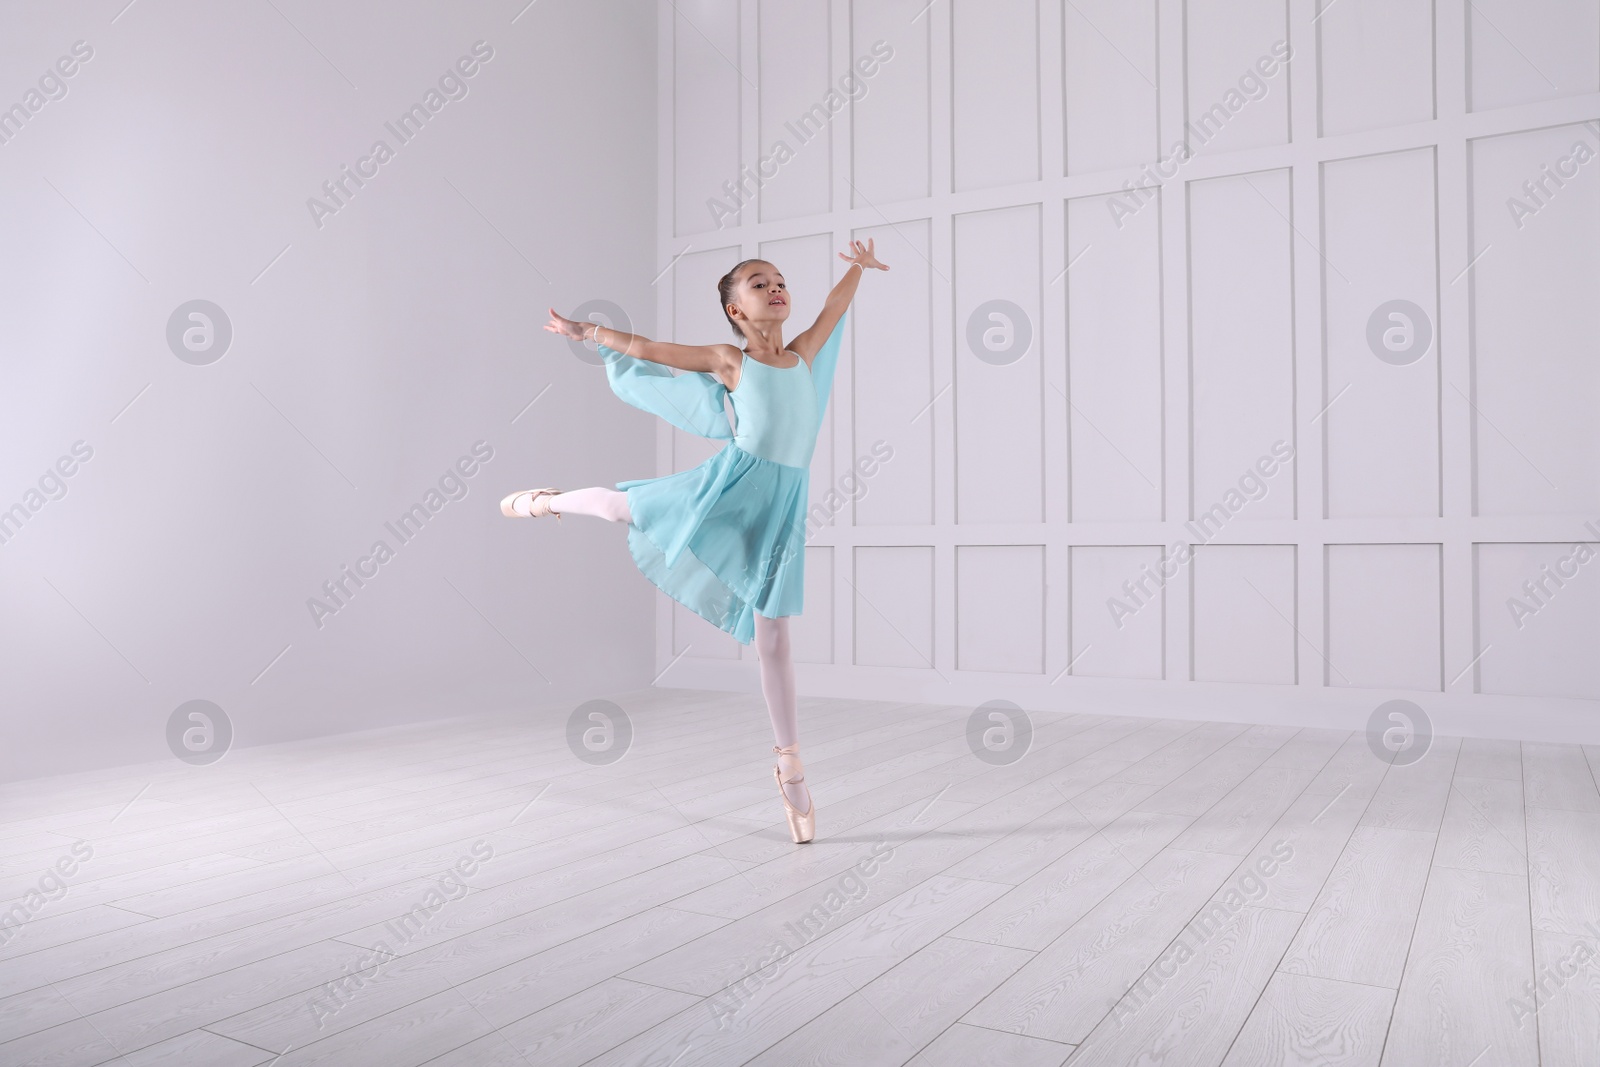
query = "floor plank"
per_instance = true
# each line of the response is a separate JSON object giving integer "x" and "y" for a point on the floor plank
{"x": 1565, "y": 1006}
{"x": 1044, "y": 907}
{"x": 1471, "y": 956}
{"x": 1360, "y": 926}
{"x": 1189, "y": 1008}
{"x": 1558, "y": 776}
{"x": 1564, "y": 869}
{"x": 788, "y": 988}
{"x": 1066, "y": 990}
{"x": 1484, "y": 828}
{"x": 892, "y": 1017}
{"x": 1302, "y": 1021}
{"x": 973, "y": 1046}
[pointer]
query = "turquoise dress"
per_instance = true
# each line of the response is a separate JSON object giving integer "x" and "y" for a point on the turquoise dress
{"x": 726, "y": 539}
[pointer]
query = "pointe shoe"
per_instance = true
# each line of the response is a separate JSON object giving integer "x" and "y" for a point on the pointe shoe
{"x": 537, "y": 507}
{"x": 802, "y": 826}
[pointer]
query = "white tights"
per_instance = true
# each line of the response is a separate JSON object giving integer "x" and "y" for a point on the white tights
{"x": 777, "y": 685}
{"x": 771, "y": 636}
{"x": 598, "y": 501}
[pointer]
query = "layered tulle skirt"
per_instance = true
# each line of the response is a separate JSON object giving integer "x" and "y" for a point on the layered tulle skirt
{"x": 725, "y": 539}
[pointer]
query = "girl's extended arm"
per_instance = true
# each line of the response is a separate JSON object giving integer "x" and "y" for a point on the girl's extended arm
{"x": 707, "y": 358}
{"x": 833, "y": 309}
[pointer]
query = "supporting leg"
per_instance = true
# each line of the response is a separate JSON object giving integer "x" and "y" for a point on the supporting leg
{"x": 598, "y": 501}
{"x": 777, "y": 685}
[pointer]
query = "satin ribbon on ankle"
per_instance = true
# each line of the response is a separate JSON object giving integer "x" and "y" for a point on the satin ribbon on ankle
{"x": 792, "y": 750}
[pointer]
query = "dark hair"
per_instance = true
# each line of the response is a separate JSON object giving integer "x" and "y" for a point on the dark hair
{"x": 725, "y": 291}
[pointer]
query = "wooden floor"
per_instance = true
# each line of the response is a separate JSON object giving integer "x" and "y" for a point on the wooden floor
{"x": 468, "y": 894}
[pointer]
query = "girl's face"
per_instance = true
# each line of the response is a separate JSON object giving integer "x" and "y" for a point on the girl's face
{"x": 762, "y": 297}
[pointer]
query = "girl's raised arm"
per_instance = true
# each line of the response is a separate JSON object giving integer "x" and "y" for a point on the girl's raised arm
{"x": 811, "y": 340}
{"x": 707, "y": 358}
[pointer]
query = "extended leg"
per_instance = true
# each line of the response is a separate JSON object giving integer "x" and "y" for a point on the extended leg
{"x": 598, "y": 501}
{"x": 777, "y": 685}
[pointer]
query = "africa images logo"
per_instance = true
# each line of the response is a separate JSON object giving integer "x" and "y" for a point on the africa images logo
{"x": 453, "y": 485}
{"x": 338, "y": 192}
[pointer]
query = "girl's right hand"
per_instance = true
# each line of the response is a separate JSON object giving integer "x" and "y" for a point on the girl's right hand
{"x": 566, "y": 327}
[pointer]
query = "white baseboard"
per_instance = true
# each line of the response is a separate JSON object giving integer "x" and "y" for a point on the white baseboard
{"x": 1542, "y": 719}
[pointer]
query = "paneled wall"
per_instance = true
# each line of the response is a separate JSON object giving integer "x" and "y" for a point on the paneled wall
{"x": 1238, "y": 357}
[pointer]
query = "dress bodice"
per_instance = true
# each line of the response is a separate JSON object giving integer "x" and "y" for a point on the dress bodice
{"x": 776, "y": 414}
{"x": 779, "y": 419}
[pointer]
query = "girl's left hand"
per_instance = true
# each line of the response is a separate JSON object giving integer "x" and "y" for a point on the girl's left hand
{"x": 863, "y": 255}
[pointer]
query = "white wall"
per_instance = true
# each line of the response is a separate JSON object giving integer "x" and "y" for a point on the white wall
{"x": 367, "y": 355}
{"x": 1171, "y": 347}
